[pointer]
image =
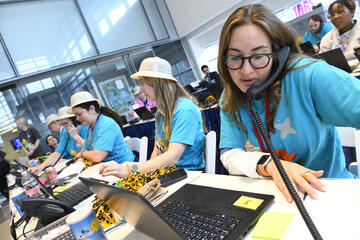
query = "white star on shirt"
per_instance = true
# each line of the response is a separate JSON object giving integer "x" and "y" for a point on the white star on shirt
{"x": 285, "y": 128}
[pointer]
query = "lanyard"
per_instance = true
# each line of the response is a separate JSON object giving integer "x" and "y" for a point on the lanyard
{"x": 91, "y": 130}
{"x": 28, "y": 135}
{"x": 267, "y": 113}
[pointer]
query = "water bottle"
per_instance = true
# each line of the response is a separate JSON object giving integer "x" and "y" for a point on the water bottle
{"x": 32, "y": 187}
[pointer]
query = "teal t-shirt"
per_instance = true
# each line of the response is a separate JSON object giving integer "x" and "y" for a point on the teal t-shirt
{"x": 314, "y": 38}
{"x": 71, "y": 143}
{"x": 107, "y": 136}
{"x": 314, "y": 99}
{"x": 186, "y": 128}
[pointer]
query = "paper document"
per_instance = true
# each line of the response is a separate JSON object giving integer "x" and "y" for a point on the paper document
{"x": 335, "y": 213}
{"x": 93, "y": 172}
{"x": 72, "y": 169}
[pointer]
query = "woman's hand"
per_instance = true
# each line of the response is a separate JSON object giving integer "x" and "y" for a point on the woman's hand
{"x": 113, "y": 168}
{"x": 36, "y": 169}
{"x": 72, "y": 130}
{"x": 308, "y": 182}
{"x": 29, "y": 153}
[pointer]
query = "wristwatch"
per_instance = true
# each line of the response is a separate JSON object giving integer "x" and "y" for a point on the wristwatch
{"x": 263, "y": 161}
{"x": 134, "y": 168}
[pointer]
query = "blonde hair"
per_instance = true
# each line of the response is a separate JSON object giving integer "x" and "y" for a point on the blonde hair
{"x": 22, "y": 121}
{"x": 280, "y": 35}
{"x": 167, "y": 94}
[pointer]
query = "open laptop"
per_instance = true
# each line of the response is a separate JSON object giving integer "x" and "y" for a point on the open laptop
{"x": 189, "y": 88}
{"x": 336, "y": 58}
{"x": 144, "y": 113}
{"x": 307, "y": 48}
{"x": 203, "y": 84}
{"x": 192, "y": 212}
{"x": 123, "y": 120}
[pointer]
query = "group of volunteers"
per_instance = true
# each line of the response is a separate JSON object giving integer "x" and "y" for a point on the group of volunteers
{"x": 345, "y": 35}
{"x": 299, "y": 110}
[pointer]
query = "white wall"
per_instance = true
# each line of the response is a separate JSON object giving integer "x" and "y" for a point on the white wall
{"x": 201, "y": 21}
{"x": 189, "y": 15}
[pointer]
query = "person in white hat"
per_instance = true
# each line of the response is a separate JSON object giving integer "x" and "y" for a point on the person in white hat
{"x": 179, "y": 134}
{"x": 104, "y": 140}
{"x": 142, "y": 100}
{"x": 52, "y": 123}
{"x": 71, "y": 139}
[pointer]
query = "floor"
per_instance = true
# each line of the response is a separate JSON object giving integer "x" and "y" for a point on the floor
{"x": 5, "y": 220}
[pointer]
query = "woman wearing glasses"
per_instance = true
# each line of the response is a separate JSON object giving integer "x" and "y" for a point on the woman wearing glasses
{"x": 346, "y": 34}
{"x": 299, "y": 110}
{"x": 71, "y": 139}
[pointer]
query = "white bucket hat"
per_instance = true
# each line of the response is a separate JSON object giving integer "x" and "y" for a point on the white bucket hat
{"x": 136, "y": 90}
{"x": 63, "y": 113}
{"x": 154, "y": 67}
{"x": 81, "y": 97}
{"x": 50, "y": 119}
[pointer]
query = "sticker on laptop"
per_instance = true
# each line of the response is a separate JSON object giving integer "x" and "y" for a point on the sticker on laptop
{"x": 248, "y": 202}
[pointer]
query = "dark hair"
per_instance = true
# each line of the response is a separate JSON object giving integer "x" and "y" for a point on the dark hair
{"x": 316, "y": 18}
{"x": 204, "y": 66}
{"x": 349, "y": 4}
{"x": 47, "y": 142}
{"x": 104, "y": 110}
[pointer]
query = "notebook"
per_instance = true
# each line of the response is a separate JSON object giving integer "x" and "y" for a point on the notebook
{"x": 307, "y": 48}
{"x": 144, "y": 113}
{"x": 336, "y": 58}
{"x": 192, "y": 212}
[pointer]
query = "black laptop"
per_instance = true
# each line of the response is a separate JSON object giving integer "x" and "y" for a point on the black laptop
{"x": 203, "y": 84}
{"x": 190, "y": 89}
{"x": 307, "y": 48}
{"x": 192, "y": 212}
{"x": 336, "y": 58}
{"x": 144, "y": 113}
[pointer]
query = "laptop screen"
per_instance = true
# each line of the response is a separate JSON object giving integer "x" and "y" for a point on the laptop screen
{"x": 198, "y": 204}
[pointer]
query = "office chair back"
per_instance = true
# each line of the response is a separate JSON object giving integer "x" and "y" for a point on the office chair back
{"x": 350, "y": 137}
{"x": 138, "y": 145}
{"x": 210, "y": 152}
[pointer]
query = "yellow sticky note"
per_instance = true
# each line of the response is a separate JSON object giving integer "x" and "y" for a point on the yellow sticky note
{"x": 248, "y": 202}
{"x": 272, "y": 226}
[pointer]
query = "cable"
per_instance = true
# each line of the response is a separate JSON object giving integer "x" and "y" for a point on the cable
{"x": 67, "y": 141}
{"x": 300, "y": 205}
{"x": 25, "y": 227}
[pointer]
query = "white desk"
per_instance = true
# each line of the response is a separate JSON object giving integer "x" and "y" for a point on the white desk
{"x": 335, "y": 213}
{"x": 343, "y": 224}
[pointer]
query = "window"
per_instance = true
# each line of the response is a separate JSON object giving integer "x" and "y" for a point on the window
{"x": 55, "y": 35}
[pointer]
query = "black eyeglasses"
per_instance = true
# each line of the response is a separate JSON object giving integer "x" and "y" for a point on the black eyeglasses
{"x": 257, "y": 61}
{"x": 340, "y": 13}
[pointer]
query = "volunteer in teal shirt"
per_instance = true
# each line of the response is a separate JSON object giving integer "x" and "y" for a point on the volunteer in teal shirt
{"x": 299, "y": 109}
{"x": 179, "y": 134}
{"x": 325, "y": 97}
{"x": 71, "y": 139}
{"x": 318, "y": 29}
{"x": 186, "y": 128}
{"x": 104, "y": 140}
{"x": 69, "y": 142}
{"x": 107, "y": 136}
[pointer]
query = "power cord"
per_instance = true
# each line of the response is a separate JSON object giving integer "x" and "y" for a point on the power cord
{"x": 25, "y": 227}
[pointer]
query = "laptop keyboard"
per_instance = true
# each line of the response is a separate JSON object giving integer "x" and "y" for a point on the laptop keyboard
{"x": 75, "y": 194}
{"x": 196, "y": 224}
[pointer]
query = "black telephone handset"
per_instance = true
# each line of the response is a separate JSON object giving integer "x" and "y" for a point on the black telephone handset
{"x": 46, "y": 210}
{"x": 38, "y": 207}
{"x": 281, "y": 56}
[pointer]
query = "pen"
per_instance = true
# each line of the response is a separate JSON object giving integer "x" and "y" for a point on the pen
{"x": 305, "y": 195}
